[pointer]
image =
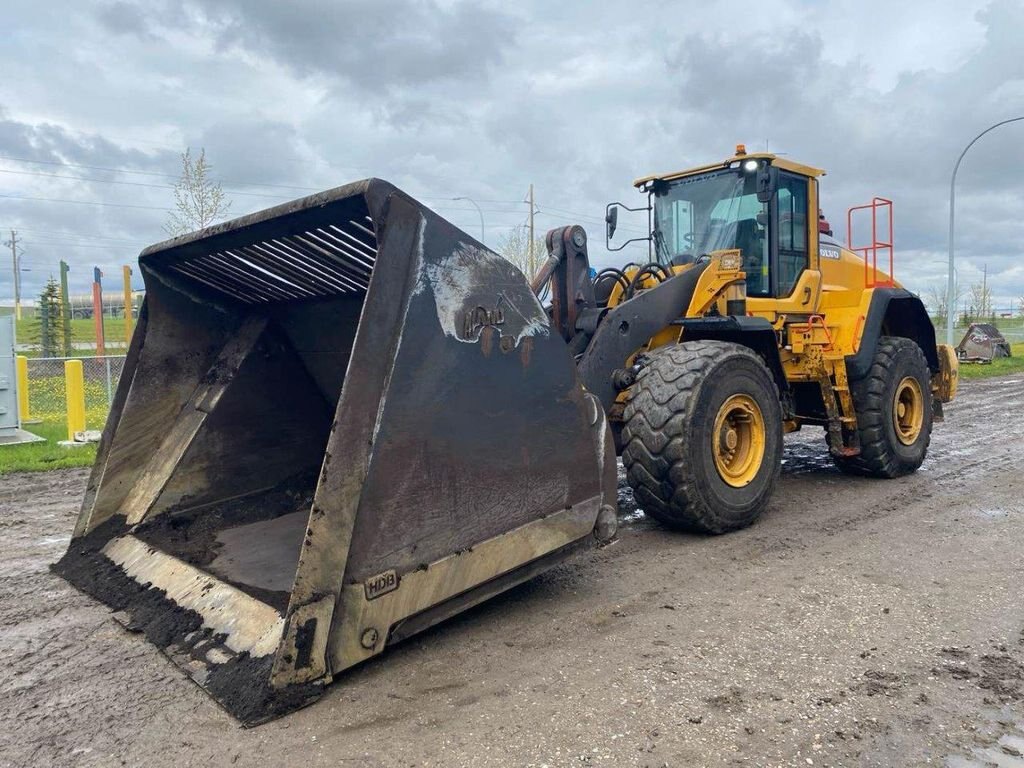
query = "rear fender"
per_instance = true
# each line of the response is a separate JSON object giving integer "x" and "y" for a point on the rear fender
{"x": 893, "y": 312}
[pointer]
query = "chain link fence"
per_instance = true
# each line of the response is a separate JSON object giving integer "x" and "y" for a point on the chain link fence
{"x": 47, "y": 392}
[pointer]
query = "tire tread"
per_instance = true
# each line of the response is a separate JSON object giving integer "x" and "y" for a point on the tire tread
{"x": 656, "y": 426}
{"x": 877, "y": 457}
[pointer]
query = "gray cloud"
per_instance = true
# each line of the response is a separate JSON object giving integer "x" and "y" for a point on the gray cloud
{"x": 252, "y": 150}
{"x": 123, "y": 18}
{"x": 369, "y": 44}
{"x": 52, "y": 142}
{"x": 481, "y": 99}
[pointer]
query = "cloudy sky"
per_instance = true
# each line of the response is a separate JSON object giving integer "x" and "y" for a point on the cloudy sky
{"x": 480, "y": 99}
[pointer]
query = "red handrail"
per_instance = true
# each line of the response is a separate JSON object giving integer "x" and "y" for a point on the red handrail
{"x": 870, "y": 252}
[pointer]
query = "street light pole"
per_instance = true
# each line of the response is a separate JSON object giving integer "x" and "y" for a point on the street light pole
{"x": 471, "y": 200}
{"x": 950, "y": 298}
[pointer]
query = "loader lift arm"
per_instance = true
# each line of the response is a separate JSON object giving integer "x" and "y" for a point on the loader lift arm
{"x": 603, "y": 338}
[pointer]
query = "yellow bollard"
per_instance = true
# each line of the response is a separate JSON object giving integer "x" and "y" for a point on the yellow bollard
{"x": 74, "y": 386}
{"x": 21, "y": 366}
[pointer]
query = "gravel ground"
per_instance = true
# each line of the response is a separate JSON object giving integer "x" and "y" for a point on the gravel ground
{"x": 859, "y": 622}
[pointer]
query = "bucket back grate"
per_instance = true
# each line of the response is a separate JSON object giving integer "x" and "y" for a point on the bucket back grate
{"x": 333, "y": 259}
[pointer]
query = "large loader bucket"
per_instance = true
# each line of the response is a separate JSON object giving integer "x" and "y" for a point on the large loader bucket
{"x": 341, "y": 421}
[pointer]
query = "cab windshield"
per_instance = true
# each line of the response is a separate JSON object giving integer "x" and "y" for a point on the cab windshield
{"x": 710, "y": 212}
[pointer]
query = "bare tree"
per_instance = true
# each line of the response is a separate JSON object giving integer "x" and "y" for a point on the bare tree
{"x": 938, "y": 297}
{"x": 981, "y": 301}
{"x": 1020, "y": 306}
{"x": 198, "y": 200}
{"x": 515, "y": 246}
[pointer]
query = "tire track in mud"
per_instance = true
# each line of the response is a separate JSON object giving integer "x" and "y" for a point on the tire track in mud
{"x": 812, "y": 634}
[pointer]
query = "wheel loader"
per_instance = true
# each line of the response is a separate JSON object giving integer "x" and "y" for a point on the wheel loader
{"x": 343, "y": 420}
{"x": 749, "y": 321}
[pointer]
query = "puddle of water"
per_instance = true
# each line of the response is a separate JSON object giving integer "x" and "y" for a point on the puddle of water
{"x": 1013, "y": 740}
{"x": 804, "y": 458}
{"x": 51, "y": 540}
{"x": 992, "y": 757}
{"x": 1007, "y": 752}
{"x": 632, "y": 517}
{"x": 993, "y": 514}
{"x": 629, "y": 512}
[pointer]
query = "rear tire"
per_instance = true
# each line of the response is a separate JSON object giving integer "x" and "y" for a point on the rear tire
{"x": 894, "y": 412}
{"x": 703, "y": 436}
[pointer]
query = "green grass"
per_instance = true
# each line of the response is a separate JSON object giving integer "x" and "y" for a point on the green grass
{"x": 1001, "y": 366}
{"x": 1002, "y": 323}
{"x": 82, "y": 331}
{"x": 85, "y": 330}
{"x": 38, "y": 457}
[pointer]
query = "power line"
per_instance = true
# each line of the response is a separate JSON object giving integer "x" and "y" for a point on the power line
{"x": 124, "y": 183}
{"x": 47, "y": 240}
{"x": 71, "y": 238}
{"x": 127, "y": 170}
{"x": 551, "y": 211}
{"x": 110, "y": 248}
{"x": 58, "y": 232}
{"x": 222, "y": 181}
{"x": 85, "y": 202}
{"x": 161, "y": 186}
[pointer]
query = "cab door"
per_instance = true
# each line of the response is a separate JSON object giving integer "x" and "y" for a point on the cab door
{"x": 794, "y": 278}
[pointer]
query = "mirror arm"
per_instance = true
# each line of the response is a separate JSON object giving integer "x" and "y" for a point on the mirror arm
{"x": 631, "y": 240}
{"x": 611, "y": 218}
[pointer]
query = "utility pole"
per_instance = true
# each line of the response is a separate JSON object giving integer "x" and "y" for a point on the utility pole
{"x": 13, "y": 243}
{"x": 65, "y": 308}
{"x": 532, "y": 260}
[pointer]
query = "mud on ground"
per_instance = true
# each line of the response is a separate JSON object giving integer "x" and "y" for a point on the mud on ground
{"x": 859, "y": 622}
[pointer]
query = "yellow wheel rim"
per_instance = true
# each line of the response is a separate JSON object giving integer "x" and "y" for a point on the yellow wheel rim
{"x": 908, "y": 410}
{"x": 738, "y": 440}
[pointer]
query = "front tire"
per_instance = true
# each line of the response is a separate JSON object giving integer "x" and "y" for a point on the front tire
{"x": 894, "y": 412}
{"x": 702, "y": 436}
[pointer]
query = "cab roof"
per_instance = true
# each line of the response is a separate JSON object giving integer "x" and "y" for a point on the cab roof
{"x": 778, "y": 162}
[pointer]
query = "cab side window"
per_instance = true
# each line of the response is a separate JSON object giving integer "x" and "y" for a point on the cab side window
{"x": 792, "y": 233}
{"x": 682, "y": 228}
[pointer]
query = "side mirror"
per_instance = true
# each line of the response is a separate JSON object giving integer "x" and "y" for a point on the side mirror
{"x": 611, "y": 220}
{"x": 767, "y": 181}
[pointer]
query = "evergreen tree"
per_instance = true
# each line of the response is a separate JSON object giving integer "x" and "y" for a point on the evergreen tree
{"x": 49, "y": 337}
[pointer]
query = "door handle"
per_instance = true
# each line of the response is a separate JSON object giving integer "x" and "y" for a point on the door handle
{"x": 807, "y": 295}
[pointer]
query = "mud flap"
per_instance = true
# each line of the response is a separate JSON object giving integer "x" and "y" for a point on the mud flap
{"x": 341, "y": 420}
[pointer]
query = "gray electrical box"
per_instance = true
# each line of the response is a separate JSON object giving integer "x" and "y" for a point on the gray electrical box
{"x": 11, "y": 432}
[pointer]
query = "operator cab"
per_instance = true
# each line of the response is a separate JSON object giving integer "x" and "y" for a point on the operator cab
{"x": 757, "y": 204}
